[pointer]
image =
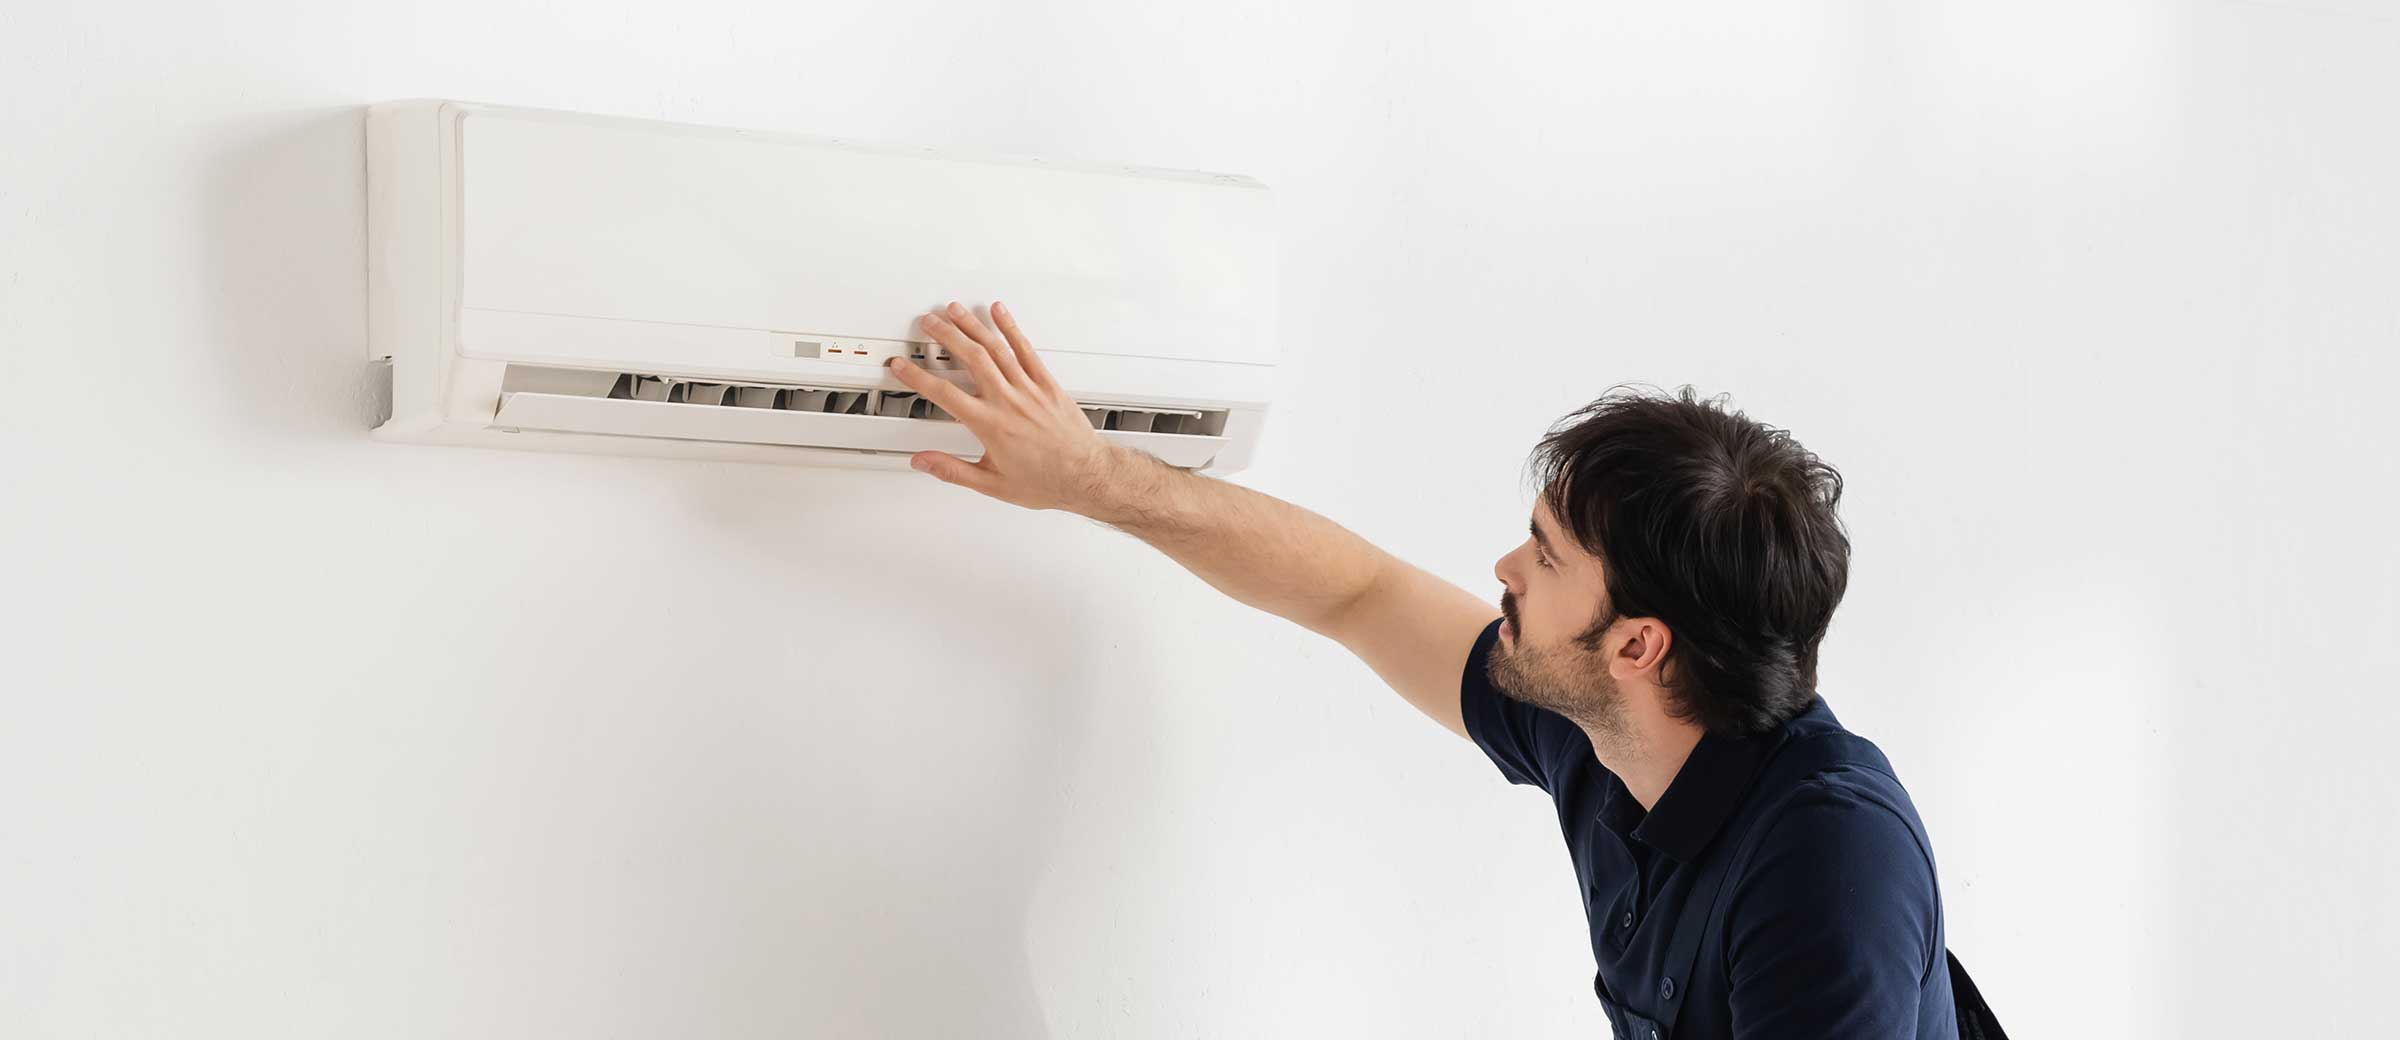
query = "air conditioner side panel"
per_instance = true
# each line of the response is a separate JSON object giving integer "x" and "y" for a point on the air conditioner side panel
{"x": 408, "y": 248}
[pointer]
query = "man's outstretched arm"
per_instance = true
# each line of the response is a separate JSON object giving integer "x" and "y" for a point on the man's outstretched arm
{"x": 1040, "y": 452}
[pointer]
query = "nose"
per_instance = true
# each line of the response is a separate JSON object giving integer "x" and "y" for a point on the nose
{"x": 1505, "y": 568}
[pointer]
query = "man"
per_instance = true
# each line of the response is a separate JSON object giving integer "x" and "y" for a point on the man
{"x": 1747, "y": 868}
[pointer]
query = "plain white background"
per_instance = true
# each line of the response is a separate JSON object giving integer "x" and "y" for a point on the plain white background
{"x": 303, "y": 735}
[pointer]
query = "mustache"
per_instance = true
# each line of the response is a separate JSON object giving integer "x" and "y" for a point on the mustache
{"x": 1508, "y": 607}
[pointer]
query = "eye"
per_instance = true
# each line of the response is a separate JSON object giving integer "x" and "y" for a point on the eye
{"x": 1541, "y": 558}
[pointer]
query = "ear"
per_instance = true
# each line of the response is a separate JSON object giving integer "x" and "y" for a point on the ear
{"x": 1642, "y": 649}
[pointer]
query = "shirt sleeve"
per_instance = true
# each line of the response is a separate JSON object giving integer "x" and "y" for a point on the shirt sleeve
{"x": 1835, "y": 925}
{"x": 1524, "y": 741}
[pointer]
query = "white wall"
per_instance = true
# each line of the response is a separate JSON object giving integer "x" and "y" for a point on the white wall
{"x": 305, "y": 735}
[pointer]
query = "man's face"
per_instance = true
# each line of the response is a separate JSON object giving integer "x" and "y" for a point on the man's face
{"x": 1553, "y": 592}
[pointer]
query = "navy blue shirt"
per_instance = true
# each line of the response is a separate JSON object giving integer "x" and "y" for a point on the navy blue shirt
{"x": 1831, "y": 922}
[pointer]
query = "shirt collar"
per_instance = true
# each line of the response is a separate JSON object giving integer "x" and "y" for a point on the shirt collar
{"x": 1710, "y": 787}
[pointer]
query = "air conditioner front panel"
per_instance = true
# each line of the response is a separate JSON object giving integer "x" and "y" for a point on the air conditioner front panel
{"x": 525, "y": 266}
{"x": 728, "y": 231}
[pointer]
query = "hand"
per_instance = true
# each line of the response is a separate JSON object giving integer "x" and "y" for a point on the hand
{"x": 1038, "y": 449}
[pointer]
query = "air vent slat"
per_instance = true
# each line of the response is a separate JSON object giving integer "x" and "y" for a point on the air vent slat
{"x": 892, "y": 404}
{"x": 701, "y": 393}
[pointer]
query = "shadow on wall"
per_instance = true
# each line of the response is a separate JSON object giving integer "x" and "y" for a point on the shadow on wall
{"x": 931, "y": 798}
{"x": 841, "y": 835}
{"x": 283, "y": 209}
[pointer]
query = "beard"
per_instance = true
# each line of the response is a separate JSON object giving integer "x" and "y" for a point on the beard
{"x": 1566, "y": 679}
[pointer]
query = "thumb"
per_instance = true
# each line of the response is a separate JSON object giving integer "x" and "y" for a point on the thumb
{"x": 951, "y": 470}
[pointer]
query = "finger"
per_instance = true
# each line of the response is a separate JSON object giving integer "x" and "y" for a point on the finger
{"x": 951, "y": 469}
{"x": 988, "y": 378}
{"x": 952, "y": 398}
{"x": 1030, "y": 361}
{"x": 1003, "y": 356}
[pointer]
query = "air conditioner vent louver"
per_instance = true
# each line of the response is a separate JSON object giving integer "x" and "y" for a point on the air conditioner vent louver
{"x": 889, "y": 404}
{"x": 835, "y": 418}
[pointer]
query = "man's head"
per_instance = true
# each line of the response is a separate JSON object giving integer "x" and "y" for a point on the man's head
{"x": 1683, "y": 558}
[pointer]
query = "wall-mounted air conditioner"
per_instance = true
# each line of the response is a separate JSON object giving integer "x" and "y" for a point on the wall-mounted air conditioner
{"x": 549, "y": 280}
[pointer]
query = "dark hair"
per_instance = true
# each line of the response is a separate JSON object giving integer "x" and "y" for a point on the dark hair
{"x": 1718, "y": 525}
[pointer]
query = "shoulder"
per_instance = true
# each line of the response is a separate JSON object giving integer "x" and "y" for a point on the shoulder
{"x": 1847, "y": 802}
{"x": 1855, "y": 817}
{"x": 1839, "y": 865}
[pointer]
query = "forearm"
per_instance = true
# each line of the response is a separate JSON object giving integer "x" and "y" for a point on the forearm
{"x": 1254, "y": 547}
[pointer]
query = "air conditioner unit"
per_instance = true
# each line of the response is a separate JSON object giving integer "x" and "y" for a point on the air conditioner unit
{"x": 549, "y": 280}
